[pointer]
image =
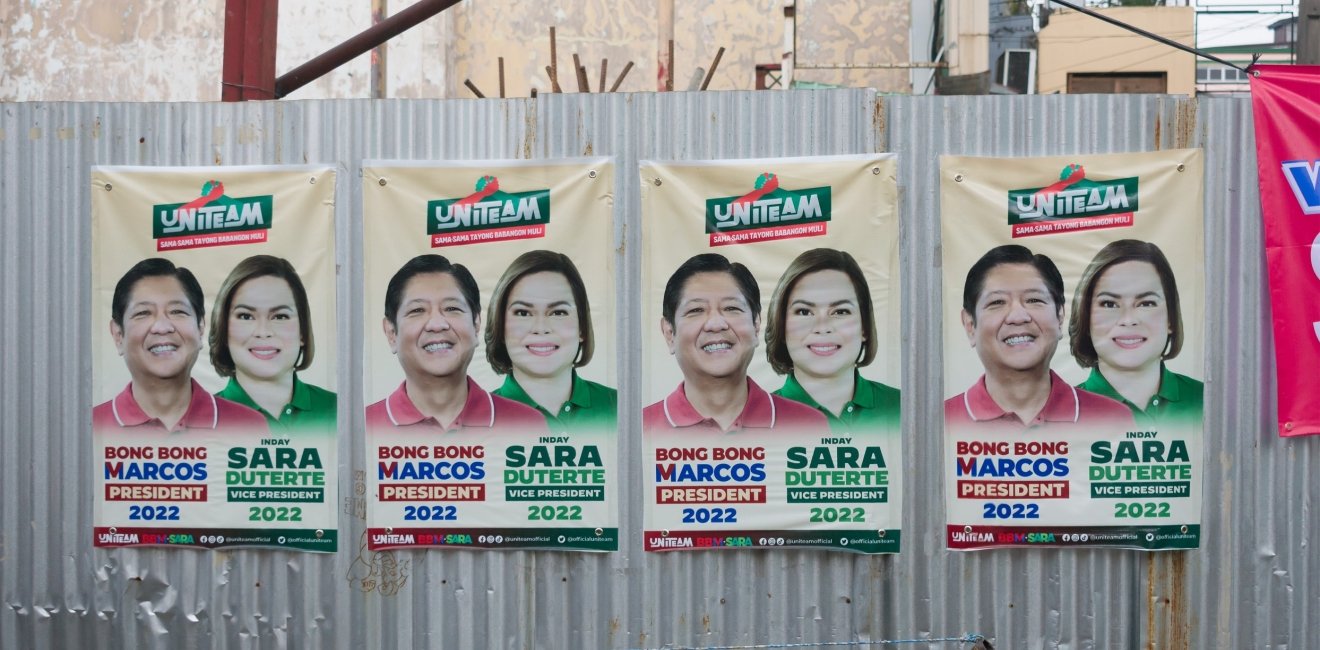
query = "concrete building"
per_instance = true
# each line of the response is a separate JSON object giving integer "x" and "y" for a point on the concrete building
{"x": 1079, "y": 54}
{"x": 1218, "y": 79}
{"x": 171, "y": 50}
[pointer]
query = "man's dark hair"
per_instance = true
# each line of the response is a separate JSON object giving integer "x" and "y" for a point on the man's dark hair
{"x": 150, "y": 268}
{"x": 710, "y": 263}
{"x": 430, "y": 263}
{"x": 1010, "y": 254}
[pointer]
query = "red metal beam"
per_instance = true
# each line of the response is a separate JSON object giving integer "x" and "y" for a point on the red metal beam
{"x": 249, "y": 58}
{"x": 357, "y": 45}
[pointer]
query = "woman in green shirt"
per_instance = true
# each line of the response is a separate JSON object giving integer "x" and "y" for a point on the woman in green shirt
{"x": 820, "y": 329}
{"x": 538, "y": 333}
{"x": 1126, "y": 322}
{"x": 261, "y": 335}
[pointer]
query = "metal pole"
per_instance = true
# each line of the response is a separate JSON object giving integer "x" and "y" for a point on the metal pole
{"x": 248, "y": 69}
{"x": 378, "y": 65}
{"x": 358, "y": 45}
{"x": 1308, "y": 33}
{"x": 664, "y": 34}
{"x": 788, "y": 62}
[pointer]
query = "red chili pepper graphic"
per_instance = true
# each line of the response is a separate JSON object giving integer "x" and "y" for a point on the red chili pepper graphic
{"x": 486, "y": 186}
{"x": 765, "y": 184}
{"x": 211, "y": 191}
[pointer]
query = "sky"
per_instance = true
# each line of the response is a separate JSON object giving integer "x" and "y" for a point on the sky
{"x": 1214, "y": 30}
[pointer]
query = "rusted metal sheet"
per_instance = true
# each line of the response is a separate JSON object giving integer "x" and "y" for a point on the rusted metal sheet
{"x": 1254, "y": 584}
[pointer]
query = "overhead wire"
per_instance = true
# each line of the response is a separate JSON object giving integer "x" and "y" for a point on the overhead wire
{"x": 1141, "y": 32}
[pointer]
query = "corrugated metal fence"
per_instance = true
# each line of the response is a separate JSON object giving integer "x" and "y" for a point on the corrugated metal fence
{"x": 1254, "y": 584}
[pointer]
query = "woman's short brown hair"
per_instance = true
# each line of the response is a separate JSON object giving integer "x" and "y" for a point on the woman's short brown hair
{"x": 257, "y": 266}
{"x": 817, "y": 259}
{"x": 1117, "y": 252}
{"x": 538, "y": 261}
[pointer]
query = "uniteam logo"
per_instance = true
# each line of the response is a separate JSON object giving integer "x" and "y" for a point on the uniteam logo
{"x": 212, "y": 219}
{"x": 1071, "y": 204}
{"x": 488, "y": 214}
{"x": 1304, "y": 179}
{"x": 671, "y": 542}
{"x": 117, "y": 538}
{"x": 970, "y": 537}
{"x": 767, "y": 213}
{"x": 391, "y": 539}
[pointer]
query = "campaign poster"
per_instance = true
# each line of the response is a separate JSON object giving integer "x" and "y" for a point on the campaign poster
{"x": 1285, "y": 102}
{"x": 492, "y": 402}
{"x": 213, "y": 369}
{"x": 1074, "y": 327}
{"x": 771, "y": 354}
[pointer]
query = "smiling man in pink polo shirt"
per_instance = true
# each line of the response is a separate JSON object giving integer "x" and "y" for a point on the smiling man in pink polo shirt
{"x": 432, "y": 316}
{"x": 711, "y": 323}
{"x": 1013, "y": 315}
{"x": 156, "y": 323}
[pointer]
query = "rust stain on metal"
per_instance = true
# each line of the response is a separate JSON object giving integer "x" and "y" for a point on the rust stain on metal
{"x": 1185, "y": 124}
{"x": 34, "y": 133}
{"x": 879, "y": 125}
{"x": 1158, "y": 125}
{"x": 529, "y": 132}
{"x": 1168, "y": 618}
{"x": 248, "y": 134}
{"x": 1151, "y": 608}
{"x": 705, "y": 623}
{"x": 1180, "y": 633}
{"x": 586, "y": 151}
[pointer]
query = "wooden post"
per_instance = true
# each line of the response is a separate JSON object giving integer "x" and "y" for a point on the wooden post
{"x": 623, "y": 74}
{"x": 669, "y": 80}
{"x": 554, "y": 64}
{"x": 714, "y": 64}
{"x": 581, "y": 73}
{"x": 664, "y": 34}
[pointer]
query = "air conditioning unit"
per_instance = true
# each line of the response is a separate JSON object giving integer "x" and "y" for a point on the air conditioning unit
{"x": 1016, "y": 69}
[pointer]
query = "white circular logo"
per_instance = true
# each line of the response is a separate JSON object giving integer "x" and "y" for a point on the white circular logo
{"x": 281, "y": 539}
{"x": 562, "y": 539}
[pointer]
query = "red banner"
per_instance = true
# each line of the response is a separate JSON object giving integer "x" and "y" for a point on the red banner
{"x": 1287, "y": 114}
